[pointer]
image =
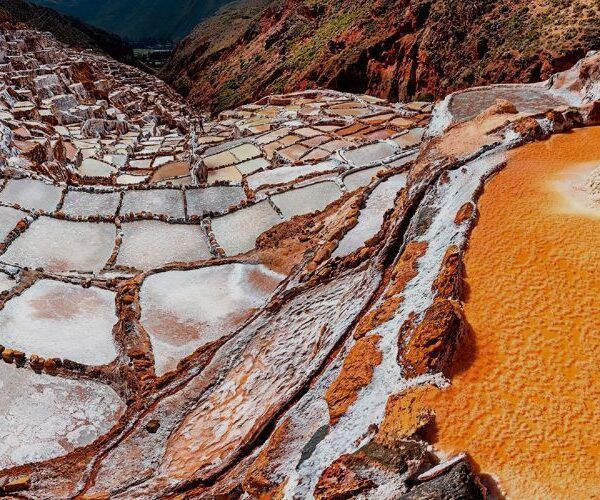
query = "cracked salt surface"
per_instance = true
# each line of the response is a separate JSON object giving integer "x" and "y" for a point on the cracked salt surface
{"x": 45, "y": 417}
{"x": 351, "y": 431}
{"x": 183, "y": 310}
{"x": 55, "y": 319}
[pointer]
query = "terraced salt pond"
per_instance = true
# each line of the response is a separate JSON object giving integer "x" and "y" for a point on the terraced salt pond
{"x": 55, "y": 319}
{"x": 9, "y": 217}
{"x": 306, "y": 199}
{"x": 184, "y": 310}
{"x": 371, "y": 217}
{"x": 525, "y": 404}
{"x": 31, "y": 194}
{"x": 44, "y": 417}
{"x": 237, "y": 232}
{"x": 167, "y": 202}
{"x": 59, "y": 246}
{"x": 150, "y": 243}
{"x": 85, "y": 204}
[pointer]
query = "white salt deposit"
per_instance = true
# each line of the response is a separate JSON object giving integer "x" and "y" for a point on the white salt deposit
{"x": 183, "y": 310}
{"x": 237, "y": 232}
{"x": 55, "y": 319}
{"x": 167, "y": 202}
{"x": 371, "y": 217}
{"x": 31, "y": 194}
{"x": 9, "y": 217}
{"x": 59, "y": 246}
{"x": 84, "y": 204}
{"x": 149, "y": 244}
{"x": 307, "y": 199}
{"x": 45, "y": 417}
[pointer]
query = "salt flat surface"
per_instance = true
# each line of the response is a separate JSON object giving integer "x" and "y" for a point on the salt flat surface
{"x": 167, "y": 202}
{"x": 59, "y": 246}
{"x": 369, "y": 154}
{"x": 283, "y": 175}
{"x": 9, "y": 217}
{"x": 237, "y": 232}
{"x": 149, "y": 243}
{"x": 84, "y": 204}
{"x": 361, "y": 178}
{"x": 31, "y": 195}
{"x": 183, "y": 310}
{"x": 306, "y": 199}
{"x": 6, "y": 283}
{"x": 371, "y": 217}
{"x": 55, "y": 319}
{"x": 213, "y": 199}
{"x": 44, "y": 417}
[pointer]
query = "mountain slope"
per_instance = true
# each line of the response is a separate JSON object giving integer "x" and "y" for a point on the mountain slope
{"x": 67, "y": 29}
{"x": 397, "y": 49}
{"x": 140, "y": 20}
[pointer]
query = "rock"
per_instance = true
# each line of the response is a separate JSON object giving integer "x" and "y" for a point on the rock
{"x": 430, "y": 346}
{"x": 152, "y": 426}
{"x": 357, "y": 372}
{"x": 458, "y": 483}
{"x": 19, "y": 484}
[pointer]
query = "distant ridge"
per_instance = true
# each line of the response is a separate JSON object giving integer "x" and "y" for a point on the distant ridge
{"x": 67, "y": 29}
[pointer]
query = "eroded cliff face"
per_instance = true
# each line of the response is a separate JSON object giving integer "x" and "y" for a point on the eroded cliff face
{"x": 394, "y": 49}
{"x": 276, "y": 303}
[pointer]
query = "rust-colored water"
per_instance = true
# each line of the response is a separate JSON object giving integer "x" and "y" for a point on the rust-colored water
{"x": 525, "y": 397}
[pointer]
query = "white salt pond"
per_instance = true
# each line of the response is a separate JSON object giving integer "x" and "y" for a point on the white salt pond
{"x": 149, "y": 244}
{"x": 44, "y": 417}
{"x": 55, "y": 319}
{"x": 213, "y": 199}
{"x": 361, "y": 178}
{"x": 31, "y": 194}
{"x": 283, "y": 175}
{"x": 184, "y": 310}
{"x": 60, "y": 246}
{"x": 306, "y": 199}
{"x": 167, "y": 202}
{"x": 371, "y": 153}
{"x": 9, "y": 217}
{"x": 84, "y": 204}
{"x": 237, "y": 232}
{"x": 371, "y": 217}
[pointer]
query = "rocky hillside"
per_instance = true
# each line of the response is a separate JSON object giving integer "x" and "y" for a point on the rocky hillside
{"x": 395, "y": 49}
{"x": 67, "y": 29}
{"x": 140, "y": 20}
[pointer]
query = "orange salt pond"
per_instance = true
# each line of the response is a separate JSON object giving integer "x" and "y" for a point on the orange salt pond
{"x": 524, "y": 400}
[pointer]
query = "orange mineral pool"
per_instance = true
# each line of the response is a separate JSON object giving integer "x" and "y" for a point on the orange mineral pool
{"x": 525, "y": 395}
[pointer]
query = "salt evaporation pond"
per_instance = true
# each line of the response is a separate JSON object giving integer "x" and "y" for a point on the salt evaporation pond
{"x": 167, "y": 202}
{"x": 84, "y": 204}
{"x": 55, "y": 319}
{"x": 31, "y": 195}
{"x": 60, "y": 246}
{"x": 150, "y": 243}
{"x": 283, "y": 175}
{"x": 237, "y": 232}
{"x": 361, "y": 178}
{"x": 184, "y": 310}
{"x": 44, "y": 417}
{"x": 371, "y": 153}
{"x": 9, "y": 217}
{"x": 306, "y": 199}
{"x": 371, "y": 217}
{"x": 213, "y": 199}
